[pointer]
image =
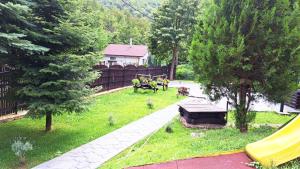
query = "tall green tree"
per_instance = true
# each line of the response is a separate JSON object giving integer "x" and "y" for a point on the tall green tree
{"x": 247, "y": 49}
{"x": 14, "y": 31}
{"x": 172, "y": 29}
{"x": 121, "y": 26}
{"x": 54, "y": 79}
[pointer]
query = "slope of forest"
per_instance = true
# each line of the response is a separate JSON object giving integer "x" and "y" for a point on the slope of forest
{"x": 144, "y": 6}
{"x": 122, "y": 22}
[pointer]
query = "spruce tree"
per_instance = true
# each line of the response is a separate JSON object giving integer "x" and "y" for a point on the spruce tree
{"x": 55, "y": 80}
{"x": 247, "y": 49}
{"x": 14, "y": 26}
{"x": 172, "y": 29}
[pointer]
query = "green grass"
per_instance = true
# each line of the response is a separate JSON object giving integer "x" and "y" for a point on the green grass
{"x": 73, "y": 130}
{"x": 266, "y": 118}
{"x": 163, "y": 146}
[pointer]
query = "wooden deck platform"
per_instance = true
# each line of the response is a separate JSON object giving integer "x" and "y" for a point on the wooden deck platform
{"x": 200, "y": 111}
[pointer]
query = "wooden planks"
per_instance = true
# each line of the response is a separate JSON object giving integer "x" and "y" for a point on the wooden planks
{"x": 294, "y": 102}
{"x": 117, "y": 76}
{"x": 200, "y": 105}
{"x": 8, "y": 103}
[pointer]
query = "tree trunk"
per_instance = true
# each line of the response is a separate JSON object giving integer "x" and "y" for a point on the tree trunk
{"x": 48, "y": 121}
{"x": 242, "y": 110}
{"x": 174, "y": 63}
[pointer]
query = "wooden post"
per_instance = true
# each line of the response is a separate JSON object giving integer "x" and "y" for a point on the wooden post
{"x": 123, "y": 78}
{"x": 281, "y": 107}
{"x": 108, "y": 78}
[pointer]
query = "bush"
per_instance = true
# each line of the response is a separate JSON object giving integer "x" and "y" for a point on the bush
{"x": 150, "y": 104}
{"x": 20, "y": 146}
{"x": 169, "y": 129}
{"x": 250, "y": 117}
{"x": 153, "y": 84}
{"x": 135, "y": 82}
{"x": 185, "y": 72}
{"x": 111, "y": 120}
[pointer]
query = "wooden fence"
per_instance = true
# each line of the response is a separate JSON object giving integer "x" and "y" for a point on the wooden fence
{"x": 8, "y": 104}
{"x": 111, "y": 78}
{"x": 117, "y": 76}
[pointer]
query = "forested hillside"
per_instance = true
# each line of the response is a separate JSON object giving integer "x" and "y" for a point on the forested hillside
{"x": 125, "y": 19}
{"x": 145, "y": 6}
{"x": 121, "y": 25}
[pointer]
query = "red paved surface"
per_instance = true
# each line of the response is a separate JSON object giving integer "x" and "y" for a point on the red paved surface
{"x": 230, "y": 161}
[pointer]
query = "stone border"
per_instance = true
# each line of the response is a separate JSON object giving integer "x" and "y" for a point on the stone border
{"x": 12, "y": 117}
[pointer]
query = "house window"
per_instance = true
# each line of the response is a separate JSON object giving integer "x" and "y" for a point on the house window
{"x": 112, "y": 58}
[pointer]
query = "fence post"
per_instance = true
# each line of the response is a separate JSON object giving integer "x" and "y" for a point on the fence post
{"x": 108, "y": 78}
{"x": 123, "y": 76}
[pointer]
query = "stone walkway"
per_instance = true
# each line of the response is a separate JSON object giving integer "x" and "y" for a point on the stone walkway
{"x": 261, "y": 105}
{"x": 92, "y": 155}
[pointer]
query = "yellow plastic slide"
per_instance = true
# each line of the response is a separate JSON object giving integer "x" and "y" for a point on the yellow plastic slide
{"x": 279, "y": 148}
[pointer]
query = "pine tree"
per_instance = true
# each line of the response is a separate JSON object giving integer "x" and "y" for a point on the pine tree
{"x": 13, "y": 32}
{"x": 247, "y": 49}
{"x": 172, "y": 29}
{"x": 55, "y": 80}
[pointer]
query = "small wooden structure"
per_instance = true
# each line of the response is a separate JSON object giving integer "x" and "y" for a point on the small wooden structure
{"x": 200, "y": 113}
{"x": 294, "y": 102}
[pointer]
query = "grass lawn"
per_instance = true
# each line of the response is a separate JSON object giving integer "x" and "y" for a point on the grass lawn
{"x": 73, "y": 130}
{"x": 180, "y": 144}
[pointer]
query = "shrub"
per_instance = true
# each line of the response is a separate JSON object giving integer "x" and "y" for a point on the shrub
{"x": 255, "y": 165}
{"x": 150, "y": 104}
{"x": 153, "y": 84}
{"x": 111, "y": 120}
{"x": 169, "y": 129}
{"x": 185, "y": 72}
{"x": 166, "y": 81}
{"x": 136, "y": 82}
{"x": 20, "y": 146}
{"x": 250, "y": 117}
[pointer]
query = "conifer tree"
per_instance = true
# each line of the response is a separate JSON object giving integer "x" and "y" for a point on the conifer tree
{"x": 172, "y": 29}
{"x": 14, "y": 26}
{"x": 247, "y": 49}
{"x": 56, "y": 67}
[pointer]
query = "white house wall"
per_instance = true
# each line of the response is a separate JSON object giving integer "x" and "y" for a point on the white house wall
{"x": 127, "y": 60}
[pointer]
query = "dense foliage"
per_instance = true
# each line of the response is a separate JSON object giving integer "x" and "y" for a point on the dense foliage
{"x": 14, "y": 31}
{"x": 172, "y": 29}
{"x": 120, "y": 26}
{"x": 145, "y": 7}
{"x": 50, "y": 45}
{"x": 185, "y": 72}
{"x": 247, "y": 49}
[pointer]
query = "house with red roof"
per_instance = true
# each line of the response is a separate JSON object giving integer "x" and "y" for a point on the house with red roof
{"x": 125, "y": 55}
